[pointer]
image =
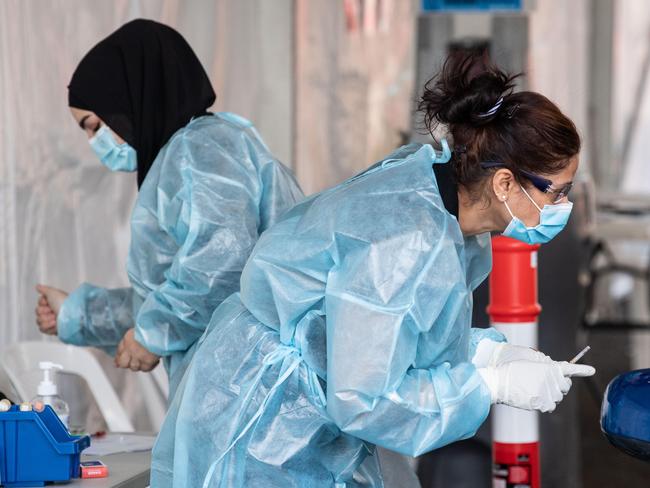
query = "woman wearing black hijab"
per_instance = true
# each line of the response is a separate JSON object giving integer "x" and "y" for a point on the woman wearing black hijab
{"x": 208, "y": 186}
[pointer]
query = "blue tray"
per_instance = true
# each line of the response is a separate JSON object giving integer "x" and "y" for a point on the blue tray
{"x": 36, "y": 448}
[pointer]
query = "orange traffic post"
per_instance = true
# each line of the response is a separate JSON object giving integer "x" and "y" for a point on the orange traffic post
{"x": 514, "y": 311}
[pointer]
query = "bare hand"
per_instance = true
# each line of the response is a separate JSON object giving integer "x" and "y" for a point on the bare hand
{"x": 132, "y": 355}
{"x": 47, "y": 309}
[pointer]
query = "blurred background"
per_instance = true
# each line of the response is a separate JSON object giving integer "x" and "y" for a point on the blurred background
{"x": 332, "y": 85}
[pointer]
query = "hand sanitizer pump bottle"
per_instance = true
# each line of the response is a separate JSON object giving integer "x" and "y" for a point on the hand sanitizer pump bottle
{"x": 48, "y": 394}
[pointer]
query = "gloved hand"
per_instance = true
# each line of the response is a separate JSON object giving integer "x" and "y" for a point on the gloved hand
{"x": 491, "y": 353}
{"x": 532, "y": 385}
{"x": 49, "y": 303}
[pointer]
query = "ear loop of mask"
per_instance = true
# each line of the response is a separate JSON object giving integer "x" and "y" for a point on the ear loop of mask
{"x": 529, "y": 197}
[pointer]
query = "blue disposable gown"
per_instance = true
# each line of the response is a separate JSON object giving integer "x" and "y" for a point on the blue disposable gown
{"x": 352, "y": 329}
{"x": 210, "y": 193}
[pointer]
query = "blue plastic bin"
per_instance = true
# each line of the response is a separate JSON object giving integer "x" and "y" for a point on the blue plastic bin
{"x": 36, "y": 448}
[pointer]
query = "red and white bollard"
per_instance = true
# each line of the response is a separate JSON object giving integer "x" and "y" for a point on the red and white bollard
{"x": 513, "y": 311}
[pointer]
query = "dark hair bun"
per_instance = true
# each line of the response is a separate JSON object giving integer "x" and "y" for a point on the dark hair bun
{"x": 466, "y": 91}
{"x": 488, "y": 121}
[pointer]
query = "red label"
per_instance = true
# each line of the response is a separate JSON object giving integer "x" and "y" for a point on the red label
{"x": 94, "y": 472}
{"x": 516, "y": 465}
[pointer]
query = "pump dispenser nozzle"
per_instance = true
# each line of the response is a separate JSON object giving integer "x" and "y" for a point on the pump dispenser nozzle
{"x": 47, "y": 387}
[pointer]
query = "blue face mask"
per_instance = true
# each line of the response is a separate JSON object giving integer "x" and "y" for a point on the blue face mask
{"x": 552, "y": 220}
{"x": 116, "y": 157}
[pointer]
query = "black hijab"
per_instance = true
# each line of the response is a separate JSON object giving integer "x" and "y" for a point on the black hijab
{"x": 145, "y": 82}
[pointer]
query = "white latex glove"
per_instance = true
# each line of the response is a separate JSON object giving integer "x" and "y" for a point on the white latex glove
{"x": 531, "y": 385}
{"x": 491, "y": 353}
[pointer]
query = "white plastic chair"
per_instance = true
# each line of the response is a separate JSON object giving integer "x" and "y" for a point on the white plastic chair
{"x": 155, "y": 390}
{"x": 20, "y": 362}
{"x": 7, "y": 387}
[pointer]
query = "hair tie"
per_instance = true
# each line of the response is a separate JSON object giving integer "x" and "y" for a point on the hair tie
{"x": 492, "y": 111}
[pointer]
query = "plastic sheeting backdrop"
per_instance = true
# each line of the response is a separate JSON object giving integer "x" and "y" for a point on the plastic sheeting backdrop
{"x": 64, "y": 218}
